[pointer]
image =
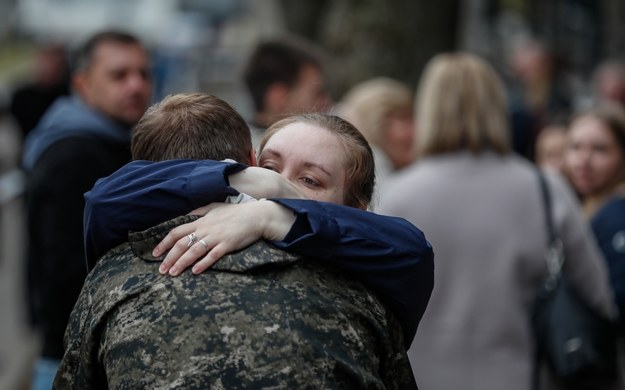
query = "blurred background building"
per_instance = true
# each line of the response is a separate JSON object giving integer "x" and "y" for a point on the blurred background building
{"x": 200, "y": 44}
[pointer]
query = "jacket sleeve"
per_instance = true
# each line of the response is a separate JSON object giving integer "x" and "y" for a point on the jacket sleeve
{"x": 608, "y": 227}
{"x": 388, "y": 254}
{"x": 584, "y": 263}
{"x": 142, "y": 194}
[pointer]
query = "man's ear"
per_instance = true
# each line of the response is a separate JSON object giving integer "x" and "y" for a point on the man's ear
{"x": 79, "y": 84}
{"x": 253, "y": 162}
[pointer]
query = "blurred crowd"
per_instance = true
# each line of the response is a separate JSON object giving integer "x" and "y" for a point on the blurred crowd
{"x": 455, "y": 155}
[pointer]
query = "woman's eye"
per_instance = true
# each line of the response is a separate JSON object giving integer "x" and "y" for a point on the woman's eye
{"x": 600, "y": 149}
{"x": 270, "y": 167}
{"x": 310, "y": 182}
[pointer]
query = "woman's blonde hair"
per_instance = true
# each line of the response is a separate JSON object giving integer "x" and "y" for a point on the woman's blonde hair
{"x": 359, "y": 164}
{"x": 461, "y": 105}
{"x": 369, "y": 104}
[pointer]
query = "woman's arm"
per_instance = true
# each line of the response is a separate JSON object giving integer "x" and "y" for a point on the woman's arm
{"x": 223, "y": 229}
{"x": 388, "y": 254}
{"x": 142, "y": 194}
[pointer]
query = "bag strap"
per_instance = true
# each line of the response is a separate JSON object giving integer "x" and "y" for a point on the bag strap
{"x": 555, "y": 254}
{"x": 554, "y": 259}
{"x": 551, "y": 232}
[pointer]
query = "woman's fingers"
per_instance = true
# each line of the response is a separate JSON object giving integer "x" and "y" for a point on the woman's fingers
{"x": 182, "y": 255}
{"x": 187, "y": 258}
{"x": 173, "y": 255}
{"x": 173, "y": 237}
{"x": 224, "y": 229}
{"x": 211, "y": 258}
{"x": 179, "y": 248}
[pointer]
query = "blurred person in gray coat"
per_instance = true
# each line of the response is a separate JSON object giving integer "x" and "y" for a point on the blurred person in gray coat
{"x": 481, "y": 207}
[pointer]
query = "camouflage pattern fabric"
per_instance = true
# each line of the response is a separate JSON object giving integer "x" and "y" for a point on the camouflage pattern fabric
{"x": 260, "y": 318}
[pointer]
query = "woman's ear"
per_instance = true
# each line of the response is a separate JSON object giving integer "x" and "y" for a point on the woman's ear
{"x": 253, "y": 161}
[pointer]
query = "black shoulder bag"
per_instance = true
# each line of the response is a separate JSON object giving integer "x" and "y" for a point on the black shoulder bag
{"x": 578, "y": 344}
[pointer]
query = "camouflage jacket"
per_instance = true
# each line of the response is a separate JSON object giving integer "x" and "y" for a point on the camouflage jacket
{"x": 259, "y": 318}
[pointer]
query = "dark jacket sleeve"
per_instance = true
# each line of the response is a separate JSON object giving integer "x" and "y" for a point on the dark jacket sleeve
{"x": 608, "y": 226}
{"x": 143, "y": 194}
{"x": 388, "y": 254}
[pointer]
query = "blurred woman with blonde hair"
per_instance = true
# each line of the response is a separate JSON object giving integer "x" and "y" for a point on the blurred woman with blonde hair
{"x": 481, "y": 207}
{"x": 382, "y": 109}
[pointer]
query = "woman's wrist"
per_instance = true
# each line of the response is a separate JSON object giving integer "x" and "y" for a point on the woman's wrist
{"x": 277, "y": 220}
{"x": 263, "y": 183}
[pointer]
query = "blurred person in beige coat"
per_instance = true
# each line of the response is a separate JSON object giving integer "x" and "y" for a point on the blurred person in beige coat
{"x": 481, "y": 207}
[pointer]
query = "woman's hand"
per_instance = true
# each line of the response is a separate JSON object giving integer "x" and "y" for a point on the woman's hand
{"x": 224, "y": 229}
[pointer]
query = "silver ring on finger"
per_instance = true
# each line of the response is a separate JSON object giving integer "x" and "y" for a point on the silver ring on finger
{"x": 204, "y": 244}
{"x": 192, "y": 239}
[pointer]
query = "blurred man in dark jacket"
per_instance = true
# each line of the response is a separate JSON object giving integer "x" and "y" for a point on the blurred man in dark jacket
{"x": 80, "y": 139}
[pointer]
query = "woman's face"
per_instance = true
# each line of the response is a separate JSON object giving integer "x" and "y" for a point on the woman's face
{"x": 594, "y": 160}
{"x": 400, "y": 134}
{"x": 310, "y": 157}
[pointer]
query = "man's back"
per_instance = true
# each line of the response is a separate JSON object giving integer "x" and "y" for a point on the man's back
{"x": 259, "y": 318}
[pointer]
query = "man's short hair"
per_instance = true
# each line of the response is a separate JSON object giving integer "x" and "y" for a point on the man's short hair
{"x": 191, "y": 125}
{"x": 84, "y": 55}
{"x": 276, "y": 62}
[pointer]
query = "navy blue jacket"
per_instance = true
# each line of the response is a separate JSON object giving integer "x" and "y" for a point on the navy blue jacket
{"x": 388, "y": 254}
{"x": 608, "y": 225}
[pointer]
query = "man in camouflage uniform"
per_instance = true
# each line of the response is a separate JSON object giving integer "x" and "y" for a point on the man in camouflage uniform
{"x": 259, "y": 318}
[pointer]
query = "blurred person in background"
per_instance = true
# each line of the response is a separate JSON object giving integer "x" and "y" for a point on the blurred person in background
{"x": 550, "y": 148}
{"x": 381, "y": 109}
{"x": 595, "y": 165}
{"x": 50, "y": 80}
{"x": 79, "y": 139}
{"x": 608, "y": 82}
{"x": 538, "y": 94}
{"x": 283, "y": 78}
{"x": 481, "y": 207}
{"x": 10, "y": 136}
